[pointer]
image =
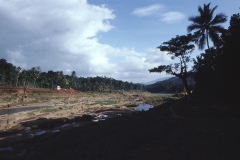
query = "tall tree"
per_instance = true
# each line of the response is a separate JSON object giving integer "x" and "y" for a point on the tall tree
{"x": 7, "y": 75}
{"x": 18, "y": 71}
{"x": 230, "y": 58}
{"x": 35, "y": 73}
{"x": 205, "y": 26}
{"x": 50, "y": 75}
{"x": 73, "y": 80}
{"x": 179, "y": 47}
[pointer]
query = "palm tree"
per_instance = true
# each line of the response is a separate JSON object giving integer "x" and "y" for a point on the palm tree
{"x": 205, "y": 26}
{"x": 17, "y": 70}
{"x": 35, "y": 73}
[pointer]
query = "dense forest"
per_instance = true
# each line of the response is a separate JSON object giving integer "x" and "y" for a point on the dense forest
{"x": 171, "y": 85}
{"x": 12, "y": 76}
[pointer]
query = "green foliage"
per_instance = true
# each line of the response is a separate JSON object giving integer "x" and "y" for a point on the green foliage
{"x": 178, "y": 47}
{"x": 49, "y": 109}
{"x": 218, "y": 68}
{"x": 11, "y": 76}
{"x": 107, "y": 102}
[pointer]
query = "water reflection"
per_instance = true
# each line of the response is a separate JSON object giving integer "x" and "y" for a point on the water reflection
{"x": 143, "y": 107}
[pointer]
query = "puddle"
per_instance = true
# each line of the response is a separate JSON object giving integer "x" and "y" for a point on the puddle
{"x": 22, "y": 153}
{"x": 17, "y": 110}
{"x": 27, "y": 130}
{"x": 143, "y": 107}
{"x": 6, "y": 149}
{"x": 65, "y": 125}
{"x": 40, "y": 133}
{"x": 100, "y": 118}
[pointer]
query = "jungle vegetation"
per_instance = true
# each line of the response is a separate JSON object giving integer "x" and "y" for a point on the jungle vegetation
{"x": 216, "y": 70}
{"x": 12, "y": 76}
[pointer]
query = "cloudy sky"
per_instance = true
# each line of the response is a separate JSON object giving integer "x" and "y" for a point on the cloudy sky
{"x": 113, "y": 38}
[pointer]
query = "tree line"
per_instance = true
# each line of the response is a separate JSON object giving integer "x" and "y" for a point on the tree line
{"x": 12, "y": 76}
{"x": 215, "y": 70}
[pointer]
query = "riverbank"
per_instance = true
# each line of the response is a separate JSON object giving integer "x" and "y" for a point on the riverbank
{"x": 21, "y": 120}
{"x": 177, "y": 129}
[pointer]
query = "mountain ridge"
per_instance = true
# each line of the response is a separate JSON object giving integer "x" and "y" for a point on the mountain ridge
{"x": 155, "y": 81}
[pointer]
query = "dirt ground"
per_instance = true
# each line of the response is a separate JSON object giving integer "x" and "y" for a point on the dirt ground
{"x": 174, "y": 129}
{"x": 60, "y": 108}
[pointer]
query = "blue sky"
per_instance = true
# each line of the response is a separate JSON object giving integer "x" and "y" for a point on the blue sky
{"x": 148, "y": 31}
{"x": 113, "y": 38}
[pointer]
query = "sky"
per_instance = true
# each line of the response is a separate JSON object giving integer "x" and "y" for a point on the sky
{"x": 112, "y": 38}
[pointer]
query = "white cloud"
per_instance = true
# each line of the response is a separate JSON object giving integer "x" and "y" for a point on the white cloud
{"x": 63, "y": 35}
{"x": 17, "y": 58}
{"x": 156, "y": 9}
{"x": 172, "y": 17}
{"x": 149, "y": 10}
{"x": 157, "y": 56}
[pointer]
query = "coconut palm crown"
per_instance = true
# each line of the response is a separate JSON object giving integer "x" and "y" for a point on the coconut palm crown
{"x": 207, "y": 26}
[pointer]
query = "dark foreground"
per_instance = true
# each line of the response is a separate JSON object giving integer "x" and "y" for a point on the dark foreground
{"x": 172, "y": 131}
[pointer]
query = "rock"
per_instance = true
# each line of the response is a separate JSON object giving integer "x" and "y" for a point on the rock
{"x": 9, "y": 105}
{"x": 86, "y": 117}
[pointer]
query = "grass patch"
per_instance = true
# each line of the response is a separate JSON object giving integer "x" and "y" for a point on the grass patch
{"x": 44, "y": 110}
{"x": 67, "y": 107}
{"x": 9, "y": 99}
{"x": 158, "y": 100}
{"x": 108, "y": 102}
{"x": 49, "y": 109}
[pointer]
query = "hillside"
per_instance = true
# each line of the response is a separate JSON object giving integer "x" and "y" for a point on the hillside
{"x": 171, "y": 85}
{"x": 155, "y": 81}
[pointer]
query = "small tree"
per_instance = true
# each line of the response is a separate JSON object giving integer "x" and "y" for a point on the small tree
{"x": 179, "y": 47}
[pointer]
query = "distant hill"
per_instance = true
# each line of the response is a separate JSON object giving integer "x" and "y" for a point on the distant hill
{"x": 170, "y": 85}
{"x": 157, "y": 80}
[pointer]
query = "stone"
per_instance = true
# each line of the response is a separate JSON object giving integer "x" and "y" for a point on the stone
{"x": 86, "y": 117}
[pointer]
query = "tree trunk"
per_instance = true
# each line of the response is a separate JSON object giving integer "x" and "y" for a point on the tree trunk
{"x": 207, "y": 39}
{"x": 17, "y": 82}
{"x": 25, "y": 87}
{"x": 184, "y": 80}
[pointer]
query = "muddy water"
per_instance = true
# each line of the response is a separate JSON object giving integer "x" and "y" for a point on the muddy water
{"x": 16, "y": 110}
